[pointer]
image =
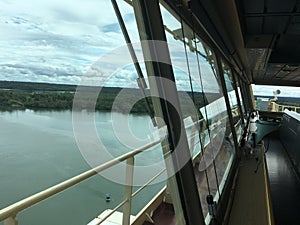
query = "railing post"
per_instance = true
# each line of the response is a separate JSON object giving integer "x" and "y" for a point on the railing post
{"x": 11, "y": 220}
{"x": 128, "y": 191}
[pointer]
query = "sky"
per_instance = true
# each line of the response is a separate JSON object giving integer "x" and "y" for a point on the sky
{"x": 60, "y": 41}
{"x": 267, "y": 90}
{"x": 56, "y": 41}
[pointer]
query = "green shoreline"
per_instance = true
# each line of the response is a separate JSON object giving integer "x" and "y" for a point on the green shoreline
{"x": 45, "y": 96}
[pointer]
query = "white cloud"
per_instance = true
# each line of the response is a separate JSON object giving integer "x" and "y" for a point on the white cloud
{"x": 267, "y": 90}
{"x": 57, "y": 41}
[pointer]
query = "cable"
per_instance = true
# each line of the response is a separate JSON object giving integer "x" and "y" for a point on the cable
{"x": 140, "y": 80}
{"x": 206, "y": 114}
{"x": 187, "y": 62}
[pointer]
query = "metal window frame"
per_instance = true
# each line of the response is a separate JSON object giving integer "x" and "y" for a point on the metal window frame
{"x": 150, "y": 26}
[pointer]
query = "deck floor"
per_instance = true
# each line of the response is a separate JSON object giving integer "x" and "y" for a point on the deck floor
{"x": 284, "y": 183}
{"x": 163, "y": 215}
{"x": 250, "y": 206}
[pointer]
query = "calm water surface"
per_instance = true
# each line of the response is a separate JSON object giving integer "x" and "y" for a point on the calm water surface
{"x": 38, "y": 150}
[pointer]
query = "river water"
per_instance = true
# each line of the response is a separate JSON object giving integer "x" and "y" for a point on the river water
{"x": 38, "y": 150}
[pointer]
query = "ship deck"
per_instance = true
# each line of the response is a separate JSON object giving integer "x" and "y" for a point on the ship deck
{"x": 284, "y": 182}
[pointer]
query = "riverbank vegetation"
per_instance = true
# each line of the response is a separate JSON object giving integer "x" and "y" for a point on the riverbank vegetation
{"x": 39, "y": 96}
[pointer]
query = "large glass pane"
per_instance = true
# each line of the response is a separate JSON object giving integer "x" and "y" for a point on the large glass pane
{"x": 185, "y": 66}
{"x": 240, "y": 96}
{"x": 184, "y": 63}
{"x": 232, "y": 100}
{"x": 220, "y": 136}
{"x": 194, "y": 68}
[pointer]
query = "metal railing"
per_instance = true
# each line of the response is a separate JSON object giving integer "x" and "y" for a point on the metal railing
{"x": 274, "y": 107}
{"x": 126, "y": 202}
{"x": 9, "y": 214}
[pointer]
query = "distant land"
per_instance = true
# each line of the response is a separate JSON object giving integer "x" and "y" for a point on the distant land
{"x": 29, "y": 95}
{"x": 46, "y": 96}
{"x": 32, "y": 86}
{"x": 283, "y": 100}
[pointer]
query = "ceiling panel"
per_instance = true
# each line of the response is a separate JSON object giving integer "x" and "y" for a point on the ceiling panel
{"x": 289, "y": 44}
{"x": 289, "y": 77}
{"x": 296, "y": 78}
{"x": 290, "y": 67}
{"x": 295, "y": 75}
{"x": 275, "y": 24}
{"x": 254, "y": 25}
{"x": 286, "y": 50}
{"x": 281, "y": 74}
{"x": 253, "y": 6}
{"x": 278, "y": 73}
{"x": 259, "y": 41}
{"x": 280, "y": 5}
{"x": 275, "y": 67}
{"x": 297, "y": 71}
{"x": 294, "y": 27}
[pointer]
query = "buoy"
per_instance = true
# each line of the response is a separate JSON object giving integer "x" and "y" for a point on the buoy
{"x": 107, "y": 197}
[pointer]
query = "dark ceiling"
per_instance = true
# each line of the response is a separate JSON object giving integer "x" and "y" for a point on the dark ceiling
{"x": 271, "y": 32}
{"x": 261, "y": 36}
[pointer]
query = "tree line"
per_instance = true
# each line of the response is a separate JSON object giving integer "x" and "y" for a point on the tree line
{"x": 26, "y": 95}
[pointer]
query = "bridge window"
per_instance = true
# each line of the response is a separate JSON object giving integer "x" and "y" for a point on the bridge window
{"x": 235, "y": 111}
{"x": 196, "y": 77}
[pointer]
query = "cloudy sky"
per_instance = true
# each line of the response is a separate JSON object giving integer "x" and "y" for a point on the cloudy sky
{"x": 59, "y": 41}
{"x": 265, "y": 90}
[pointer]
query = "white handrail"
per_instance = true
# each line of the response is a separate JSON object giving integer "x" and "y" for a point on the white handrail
{"x": 133, "y": 194}
{"x": 17, "y": 207}
{"x": 11, "y": 211}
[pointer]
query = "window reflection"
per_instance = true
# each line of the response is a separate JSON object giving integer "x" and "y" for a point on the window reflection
{"x": 232, "y": 100}
{"x": 208, "y": 129}
{"x": 241, "y": 98}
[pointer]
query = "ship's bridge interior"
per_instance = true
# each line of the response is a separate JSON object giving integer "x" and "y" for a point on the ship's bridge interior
{"x": 262, "y": 36}
{"x": 261, "y": 40}
{"x": 227, "y": 163}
